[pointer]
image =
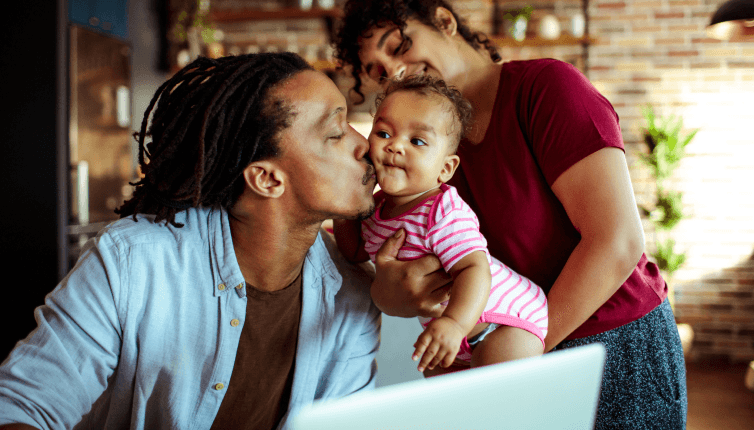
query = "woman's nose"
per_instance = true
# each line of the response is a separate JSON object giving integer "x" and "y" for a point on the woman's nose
{"x": 396, "y": 70}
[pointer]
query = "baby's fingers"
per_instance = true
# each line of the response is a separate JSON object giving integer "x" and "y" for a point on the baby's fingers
{"x": 421, "y": 345}
{"x": 428, "y": 355}
{"x": 449, "y": 358}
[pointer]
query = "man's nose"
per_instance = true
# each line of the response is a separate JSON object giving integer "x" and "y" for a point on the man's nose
{"x": 361, "y": 143}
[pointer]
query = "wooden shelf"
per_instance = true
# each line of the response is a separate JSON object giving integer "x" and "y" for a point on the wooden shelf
{"x": 272, "y": 14}
{"x": 563, "y": 40}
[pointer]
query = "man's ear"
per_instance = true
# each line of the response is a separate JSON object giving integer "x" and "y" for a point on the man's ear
{"x": 265, "y": 179}
{"x": 449, "y": 168}
{"x": 446, "y": 22}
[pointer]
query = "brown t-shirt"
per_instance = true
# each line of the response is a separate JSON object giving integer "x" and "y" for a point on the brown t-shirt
{"x": 260, "y": 385}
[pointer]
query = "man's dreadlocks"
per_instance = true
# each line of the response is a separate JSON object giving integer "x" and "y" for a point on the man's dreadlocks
{"x": 212, "y": 119}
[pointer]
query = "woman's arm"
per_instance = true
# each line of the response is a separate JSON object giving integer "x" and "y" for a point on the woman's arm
{"x": 409, "y": 288}
{"x": 348, "y": 237}
{"x": 597, "y": 195}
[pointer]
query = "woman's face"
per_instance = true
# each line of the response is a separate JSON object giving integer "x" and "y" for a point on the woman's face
{"x": 385, "y": 54}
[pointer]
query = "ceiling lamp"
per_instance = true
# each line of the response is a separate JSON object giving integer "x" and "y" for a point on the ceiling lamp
{"x": 733, "y": 21}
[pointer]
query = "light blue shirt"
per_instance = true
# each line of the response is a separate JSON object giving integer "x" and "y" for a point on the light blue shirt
{"x": 139, "y": 334}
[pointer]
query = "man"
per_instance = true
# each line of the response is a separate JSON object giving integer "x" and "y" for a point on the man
{"x": 215, "y": 302}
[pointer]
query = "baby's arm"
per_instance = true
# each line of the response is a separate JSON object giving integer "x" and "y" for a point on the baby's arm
{"x": 348, "y": 237}
{"x": 441, "y": 340}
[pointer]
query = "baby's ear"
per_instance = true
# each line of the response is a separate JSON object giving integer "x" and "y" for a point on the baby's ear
{"x": 448, "y": 168}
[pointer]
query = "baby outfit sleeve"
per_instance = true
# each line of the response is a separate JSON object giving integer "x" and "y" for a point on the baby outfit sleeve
{"x": 453, "y": 229}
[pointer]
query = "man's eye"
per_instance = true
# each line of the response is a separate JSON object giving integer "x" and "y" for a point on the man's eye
{"x": 338, "y": 137}
{"x": 418, "y": 142}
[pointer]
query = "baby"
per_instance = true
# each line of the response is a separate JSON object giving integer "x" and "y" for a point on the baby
{"x": 493, "y": 314}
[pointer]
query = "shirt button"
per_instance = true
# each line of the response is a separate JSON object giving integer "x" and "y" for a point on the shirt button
{"x": 221, "y": 287}
{"x": 234, "y": 322}
{"x": 219, "y": 386}
{"x": 239, "y": 286}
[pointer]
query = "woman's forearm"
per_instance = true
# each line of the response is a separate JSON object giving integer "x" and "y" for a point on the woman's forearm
{"x": 593, "y": 273}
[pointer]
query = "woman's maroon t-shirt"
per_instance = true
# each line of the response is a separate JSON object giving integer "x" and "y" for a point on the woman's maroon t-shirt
{"x": 547, "y": 116}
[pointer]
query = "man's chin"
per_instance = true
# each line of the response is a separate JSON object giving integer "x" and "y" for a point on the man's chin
{"x": 365, "y": 214}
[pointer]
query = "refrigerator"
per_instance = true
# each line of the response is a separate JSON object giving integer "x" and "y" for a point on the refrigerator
{"x": 101, "y": 149}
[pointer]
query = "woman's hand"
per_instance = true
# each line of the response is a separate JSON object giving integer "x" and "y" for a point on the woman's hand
{"x": 409, "y": 288}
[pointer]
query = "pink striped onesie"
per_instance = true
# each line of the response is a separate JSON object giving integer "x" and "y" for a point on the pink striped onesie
{"x": 444, "y": 225}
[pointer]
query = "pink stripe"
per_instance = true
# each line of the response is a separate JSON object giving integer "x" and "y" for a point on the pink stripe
{"x": 456, "y": 245}
{"x": 451, "y": 235}
{"x": 533, "y": 298}
{"x": 497, "y": 305}
{"x": 543, "y": 318}
{"x": 472, "y": 221}
{"x": 414, "y": 223}
{"x": 409, "y": 258}
{"x": 493, "y": 265}
{"x": 418, "y": 246}
{"x": 470, "y": 250}
{"x": 374, "y": 232}
{"x": 517, "y": 297}
{"x": 510, "y": 273}
{"x": 544, "y": 303}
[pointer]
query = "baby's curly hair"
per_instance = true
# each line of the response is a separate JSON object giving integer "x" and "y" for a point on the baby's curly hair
{"x": 361, "y": 17}
{"x": 425, "y": 85}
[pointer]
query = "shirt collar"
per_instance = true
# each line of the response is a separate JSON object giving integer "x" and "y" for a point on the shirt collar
{"x": 227, "y": 274}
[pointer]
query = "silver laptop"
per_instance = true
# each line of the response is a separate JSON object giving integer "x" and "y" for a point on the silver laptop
{"x": 558, "y": 390}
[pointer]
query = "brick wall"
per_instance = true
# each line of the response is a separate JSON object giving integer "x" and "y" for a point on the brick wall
{"x": 656, "y": 53}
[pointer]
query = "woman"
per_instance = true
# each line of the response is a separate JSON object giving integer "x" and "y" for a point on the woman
{"x": 545, "y": 171}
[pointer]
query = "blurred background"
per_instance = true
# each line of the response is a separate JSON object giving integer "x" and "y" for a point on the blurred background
{"x": 79, "y": 74}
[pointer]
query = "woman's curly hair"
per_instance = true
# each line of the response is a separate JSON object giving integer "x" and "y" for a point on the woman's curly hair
{"x": 360, "y": 17}
{"x": 459, "y": 107}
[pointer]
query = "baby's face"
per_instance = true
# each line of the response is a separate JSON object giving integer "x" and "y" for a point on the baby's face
{"x": 410, "y": 142}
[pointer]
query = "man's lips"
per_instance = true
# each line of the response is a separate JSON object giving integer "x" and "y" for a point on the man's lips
{"x": 368, "y": 175}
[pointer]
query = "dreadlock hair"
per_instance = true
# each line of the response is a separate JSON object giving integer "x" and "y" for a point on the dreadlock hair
{"x": 425, "y": 85}
{"x": 209, "y": 122}
{"x": 360, "y": 17}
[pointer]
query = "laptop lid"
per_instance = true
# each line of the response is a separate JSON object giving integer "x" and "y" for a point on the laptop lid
{"x": 558, "y": 390}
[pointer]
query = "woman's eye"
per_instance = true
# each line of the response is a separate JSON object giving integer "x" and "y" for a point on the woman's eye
{"x": 418, "y": 142}
{"x": 404, "y": 46}
{"x": 337, "y": 137}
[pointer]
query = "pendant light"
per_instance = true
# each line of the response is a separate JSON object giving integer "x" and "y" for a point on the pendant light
{"x": 733, "y": 21}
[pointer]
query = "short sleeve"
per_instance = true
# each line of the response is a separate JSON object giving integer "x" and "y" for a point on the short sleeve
{"x": 565, "y": 118}
{"x": 454, "y": 230}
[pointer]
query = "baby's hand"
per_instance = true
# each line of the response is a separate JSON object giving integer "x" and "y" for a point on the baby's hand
{"x": 439, "y": 344}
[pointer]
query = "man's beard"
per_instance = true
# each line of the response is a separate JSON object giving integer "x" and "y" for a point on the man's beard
{"x": 365, "y": 214}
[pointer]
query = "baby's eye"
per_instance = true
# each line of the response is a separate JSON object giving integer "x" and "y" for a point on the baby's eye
{"x": 418, "y": 142}
{"x": 382, "y": 134}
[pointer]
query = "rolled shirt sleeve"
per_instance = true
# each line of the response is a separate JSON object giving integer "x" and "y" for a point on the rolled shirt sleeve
{"x": 54, "y": 376}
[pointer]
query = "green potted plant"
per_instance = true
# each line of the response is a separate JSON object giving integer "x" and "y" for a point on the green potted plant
{"x": 518, "y": 22}
{"x": 666, "y": 149}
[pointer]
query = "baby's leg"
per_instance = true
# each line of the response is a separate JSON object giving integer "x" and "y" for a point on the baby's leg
{"x": 506, "y": 343}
